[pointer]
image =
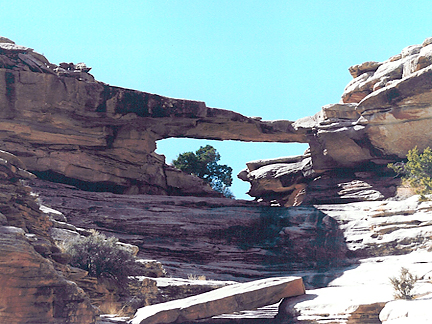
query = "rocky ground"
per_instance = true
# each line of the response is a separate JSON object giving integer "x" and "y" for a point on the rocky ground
{"x": 378, "y": 239}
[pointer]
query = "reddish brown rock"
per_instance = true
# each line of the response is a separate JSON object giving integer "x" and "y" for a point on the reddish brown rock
{"x": 69, "y": 128}
{"x": 32, "y": 290}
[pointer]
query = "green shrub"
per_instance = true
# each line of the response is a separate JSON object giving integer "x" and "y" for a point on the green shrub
{"x": 417, "y": 171}
{"x": 404, "y": 284}
{"x": 102, "y": 257}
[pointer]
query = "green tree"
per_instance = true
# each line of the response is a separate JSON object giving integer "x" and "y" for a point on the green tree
{"x": 204, "y": 164}
{"x": 417, "y": 171}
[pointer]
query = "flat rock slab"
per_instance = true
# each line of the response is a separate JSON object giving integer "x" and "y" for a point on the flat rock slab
{"x": 229, "y": 299}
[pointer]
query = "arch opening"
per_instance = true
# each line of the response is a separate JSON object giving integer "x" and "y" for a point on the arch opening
{"x": 233, "y": 153}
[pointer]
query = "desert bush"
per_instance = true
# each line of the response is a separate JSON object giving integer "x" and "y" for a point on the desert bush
{"x": 102, "y": 257}
{"x": 417, "y": 171}
{"x": 404, "y": 284}
{"x": 196, "y": 277}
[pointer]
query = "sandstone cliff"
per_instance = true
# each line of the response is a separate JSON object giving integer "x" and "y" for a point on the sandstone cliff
{"x": 231, "y": 239}
{"x": 69, "y": 128}
{"x": 345, "y": 253}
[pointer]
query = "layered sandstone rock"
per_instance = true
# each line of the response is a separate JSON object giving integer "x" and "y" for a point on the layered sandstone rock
{"x": 67, "y": 127}
{"x": 292, "y": 181}
{"x": 227, "y": 239}
{"x": 385, "y": 236}
{"x": 33, "y": 291}
{"x": 222, "y": 237}
{"x": 33, "y": 277}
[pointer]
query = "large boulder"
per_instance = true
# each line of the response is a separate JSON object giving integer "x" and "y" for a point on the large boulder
{"x": 225, "y": 300}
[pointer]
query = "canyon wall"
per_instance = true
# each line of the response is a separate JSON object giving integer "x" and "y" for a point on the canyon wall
{"x": 67, "y": 127}
{"x": 223, "y": 238}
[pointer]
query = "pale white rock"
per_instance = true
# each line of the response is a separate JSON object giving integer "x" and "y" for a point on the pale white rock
{"x": 379, "y": 229}
{"x": 416, "y": 311}
{"x": 359, "y": 69}
{"x": 361, "y": 86}
{"x": 340, "y": 111}
{"x": 410, "y": 65}
{"x": 367, "y": 284}
{"x": 384, "y": 227}
{"x": 254, "y": 165}
{"x": 424, "y": 58}
{"x": 14, "y": 48}
{"x": 411, "y": 50}
{"x": 427, "y": 41}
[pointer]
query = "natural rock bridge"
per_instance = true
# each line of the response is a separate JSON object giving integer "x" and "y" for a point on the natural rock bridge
{"x": 66, "y": 126}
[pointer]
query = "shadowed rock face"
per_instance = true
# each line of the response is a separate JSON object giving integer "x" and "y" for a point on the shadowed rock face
{"x": 222, "y": 238}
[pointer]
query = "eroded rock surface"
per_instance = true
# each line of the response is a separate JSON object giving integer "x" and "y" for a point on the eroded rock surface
{"x": 190, "y": 236}
{"x": 385, "y": 236}
{"x": 67, "y": 127}
{"x": 407, "y": 311}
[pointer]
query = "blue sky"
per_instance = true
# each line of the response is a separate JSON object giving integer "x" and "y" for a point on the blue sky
{"x": 275, "y": 59}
